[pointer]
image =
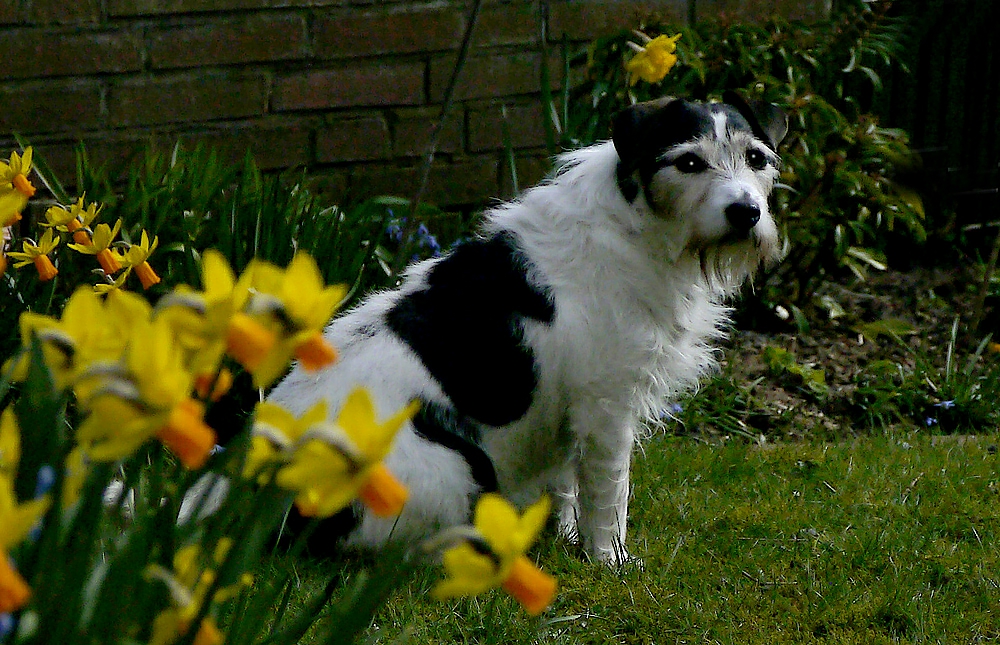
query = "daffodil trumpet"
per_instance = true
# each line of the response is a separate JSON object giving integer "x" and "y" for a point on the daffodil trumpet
{"x": 383, "y": 493}
{"x": 23, "y": 185}
{"x": 46, "y": 269}
{"x": 14, "y": 591}
{"x": 248, "y": 341}
{"x": 187, "y": 435}
{"x": 529, "y": 585}
{"x": 315, "y": 353}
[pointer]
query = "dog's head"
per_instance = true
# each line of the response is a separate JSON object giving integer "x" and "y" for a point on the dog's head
{"x": 706, "y": 168}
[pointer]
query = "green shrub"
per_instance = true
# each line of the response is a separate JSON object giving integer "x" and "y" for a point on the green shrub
{"x": 837, "y": 202}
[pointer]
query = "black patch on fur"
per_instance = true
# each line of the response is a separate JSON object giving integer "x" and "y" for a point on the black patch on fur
{"x": 465, "y": 326}
{"x": 644, "y": 132}
{"x": 768, "y": 122}
{"x": 627, "y": 184}
{"x": 447, "y": 428}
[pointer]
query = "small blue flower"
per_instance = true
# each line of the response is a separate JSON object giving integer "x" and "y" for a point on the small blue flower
{"x": 7, "y": 625}
{"x": 945, "y": 405}
{"x": 930, "y": 421}
{"x": 395, "y": 232}
{"x": 45, "y": 481}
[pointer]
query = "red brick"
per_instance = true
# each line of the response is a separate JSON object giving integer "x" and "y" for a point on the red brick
{"x": 358, "y": 85}
{"x": 488, "y": 76}
{"x": 204, "y": 97}
{"x": 590, "y": 19}
{"x": 265, "y": 37}
{"x": 63, "y": 12}
{"x": 40, "y": 54}
{"x": 73, "y": 106}
{"x": 464, "y": 182}
{"x": 10, "y": 12}
{"x": 353, "y": 140}
{"x": 412, "y": 131}
{"x": 508, "y": 24}
{"x": 742, "y": 11}
{"x": 525, "y": 124}
{"x": 111, "y": 153}
{"x": 405, "y": 30}
{"x": 329, "y": 185}
{"x": 119, "y": 8}
{"x": 272, "y": 147}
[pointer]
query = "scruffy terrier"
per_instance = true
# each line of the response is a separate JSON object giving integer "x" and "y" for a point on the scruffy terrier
{"x": 582, "y": 309}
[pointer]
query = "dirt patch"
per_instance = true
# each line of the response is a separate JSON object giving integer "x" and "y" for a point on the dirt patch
{"x": 892, "y": 325}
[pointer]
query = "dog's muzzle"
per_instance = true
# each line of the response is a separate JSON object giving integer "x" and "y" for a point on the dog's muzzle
{"x": 743, "y": 216}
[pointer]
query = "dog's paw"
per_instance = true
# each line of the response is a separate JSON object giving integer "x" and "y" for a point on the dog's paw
{"x": 615, "y": 556}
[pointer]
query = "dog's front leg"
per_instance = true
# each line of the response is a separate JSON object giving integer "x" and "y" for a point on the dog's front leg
{"x": 605, "y": 445}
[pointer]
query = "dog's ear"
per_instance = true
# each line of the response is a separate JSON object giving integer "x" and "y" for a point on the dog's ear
{"x": 768, "y": 121}
{"x": 632, "y": 127}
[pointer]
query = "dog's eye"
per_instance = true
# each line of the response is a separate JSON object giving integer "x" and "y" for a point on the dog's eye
{"x": 756, "y": 159}
{"x": 690, "y": 163}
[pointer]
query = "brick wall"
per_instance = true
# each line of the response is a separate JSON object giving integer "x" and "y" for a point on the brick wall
{"x": 348, "y": 89}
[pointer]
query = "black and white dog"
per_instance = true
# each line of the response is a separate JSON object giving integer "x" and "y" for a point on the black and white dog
{"x": 582, "y": 309}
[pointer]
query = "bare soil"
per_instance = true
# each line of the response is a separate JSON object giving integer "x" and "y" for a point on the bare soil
{"x": 927, "y": 300}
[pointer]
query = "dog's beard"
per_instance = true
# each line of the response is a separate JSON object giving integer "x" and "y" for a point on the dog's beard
{"x": 728, "y": 263}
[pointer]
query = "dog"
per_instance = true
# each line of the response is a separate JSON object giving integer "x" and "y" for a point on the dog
{"x": 582, "y": 309}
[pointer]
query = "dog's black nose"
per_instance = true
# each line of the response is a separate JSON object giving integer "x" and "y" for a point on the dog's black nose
{"x": 743, "y": 216}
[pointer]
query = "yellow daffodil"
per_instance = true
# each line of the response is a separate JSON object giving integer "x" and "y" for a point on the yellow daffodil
{"x": 137, "y": 257}
{"x": 149, "y": 395}
{"x": 38, "y": 254}
{"x": 189, "y": 584}
{"x": 653, "y": 59}
{"x": 328, "y": 464}
{"x": 15, "y": 187}
{"x": 3, "y": 261}
{"x": 211, "y": 323}
{"x": 302, "y": 306}
{"x": 100, "y": 246}
{"x": 16, "y": 520}
{"x": 76, "y": 220}
{"x": 104, "y": 288}
{"x": 88, "y": 330}
{"x": 492, "y": 554}
{"x": 262, "y": 320}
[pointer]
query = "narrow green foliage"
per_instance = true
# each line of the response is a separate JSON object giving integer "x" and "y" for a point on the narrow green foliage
{"x": 961, "y": 396}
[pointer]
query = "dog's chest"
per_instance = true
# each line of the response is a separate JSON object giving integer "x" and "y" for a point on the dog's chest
{"x": 637, "y": 352}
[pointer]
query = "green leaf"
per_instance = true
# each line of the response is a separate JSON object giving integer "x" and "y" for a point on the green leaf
{"x": 894, "y": 327}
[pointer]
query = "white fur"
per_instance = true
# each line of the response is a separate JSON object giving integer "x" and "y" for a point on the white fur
{"x": 639, "y": 297}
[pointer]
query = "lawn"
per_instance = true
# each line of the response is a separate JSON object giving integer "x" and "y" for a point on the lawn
{"x": 886, "y": 539}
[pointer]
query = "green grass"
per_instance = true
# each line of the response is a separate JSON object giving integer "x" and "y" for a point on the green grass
{"x": 878, "y": 540}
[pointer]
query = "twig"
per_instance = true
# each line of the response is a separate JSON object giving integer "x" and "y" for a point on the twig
{"x": 410, "y": 226}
